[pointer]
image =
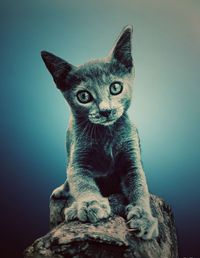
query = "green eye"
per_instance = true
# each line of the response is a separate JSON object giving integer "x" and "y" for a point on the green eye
{"x": 84, "y": 96}
{"x": 116, "y": 88}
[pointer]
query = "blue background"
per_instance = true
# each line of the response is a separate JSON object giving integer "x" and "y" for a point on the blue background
{"x": 35, "y": 116}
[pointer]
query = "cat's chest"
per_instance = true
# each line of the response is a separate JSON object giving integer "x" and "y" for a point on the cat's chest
{"x": 101, "y": 158}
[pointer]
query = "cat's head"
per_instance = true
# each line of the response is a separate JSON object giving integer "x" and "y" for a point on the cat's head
{"x": 98, "y": 91}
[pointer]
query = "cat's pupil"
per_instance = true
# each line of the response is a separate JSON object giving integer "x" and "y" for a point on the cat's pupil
{"x": 84, "y": 96}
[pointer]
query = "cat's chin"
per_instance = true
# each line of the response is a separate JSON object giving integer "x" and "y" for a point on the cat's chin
{"x": 104, "y": 123}
{"x": 108, "y": 123}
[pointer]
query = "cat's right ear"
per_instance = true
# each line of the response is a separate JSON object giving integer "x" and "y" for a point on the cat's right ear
{"x": 58, "y": 68}
{"x": 122, "y": 50}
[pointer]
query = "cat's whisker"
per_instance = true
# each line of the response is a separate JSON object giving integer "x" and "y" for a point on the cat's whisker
{"x": 84, "y": 131}
{"x": 82, "y": 122}
{"x": 95, "y": 132}
{"x": 91, "y": 131}
{"x": 87, "y": 129}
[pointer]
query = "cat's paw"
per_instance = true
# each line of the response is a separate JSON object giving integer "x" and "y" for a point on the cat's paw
{"x": 60, "y": 193}
{"x": 89, "y": 209}
{"x": 141, "y": 222}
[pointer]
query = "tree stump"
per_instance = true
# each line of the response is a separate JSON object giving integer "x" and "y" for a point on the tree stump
{"x": 108, "y": 238}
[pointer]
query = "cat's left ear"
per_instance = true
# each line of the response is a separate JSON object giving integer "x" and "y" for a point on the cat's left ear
{"x": 122, "y": 50}
{"x": 58, "y": 68}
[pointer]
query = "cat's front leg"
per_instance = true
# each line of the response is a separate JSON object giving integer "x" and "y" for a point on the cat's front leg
{"x": 134, "y": 186}
{"x": 89, "y": 204}
{"x": 138, "y": 212}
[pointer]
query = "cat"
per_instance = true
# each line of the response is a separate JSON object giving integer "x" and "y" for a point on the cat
{"x": 104, "y": 173}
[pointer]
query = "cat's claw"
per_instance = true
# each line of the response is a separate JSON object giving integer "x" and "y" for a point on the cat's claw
{"x": 71, "y": 212}
{"x": 92, "y": 210}
{"x": 60, "y": 193}
{"x": 141, "y": 222}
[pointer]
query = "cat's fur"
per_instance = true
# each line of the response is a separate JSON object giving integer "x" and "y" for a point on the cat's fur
{"x": 104, "y": 169}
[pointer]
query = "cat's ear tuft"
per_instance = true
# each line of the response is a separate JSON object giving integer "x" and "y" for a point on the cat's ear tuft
{"x": 58, "y": 68}
{"x": 122, "y": 50}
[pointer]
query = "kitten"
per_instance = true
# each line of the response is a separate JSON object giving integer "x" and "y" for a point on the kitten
{"x": 104, "y": 169}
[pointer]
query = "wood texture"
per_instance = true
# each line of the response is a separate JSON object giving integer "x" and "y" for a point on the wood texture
{"x": 110, "y": 238}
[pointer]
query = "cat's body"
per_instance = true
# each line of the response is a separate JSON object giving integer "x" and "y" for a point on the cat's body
{"x": 104, "y": 162}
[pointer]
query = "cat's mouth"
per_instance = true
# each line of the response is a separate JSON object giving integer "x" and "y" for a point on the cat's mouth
{"x": 105, "y": 121}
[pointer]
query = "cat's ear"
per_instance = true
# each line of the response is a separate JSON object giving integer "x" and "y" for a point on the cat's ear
{"x": 122, "y": 50}
{"x": 58, "y": 68}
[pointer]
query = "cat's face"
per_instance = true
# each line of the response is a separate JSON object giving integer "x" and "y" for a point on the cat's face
{"x": 98, "y": 91}
{"x": 102, "y": 95}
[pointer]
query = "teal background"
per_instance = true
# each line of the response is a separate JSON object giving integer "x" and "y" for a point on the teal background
{"x": 35, "y": 116}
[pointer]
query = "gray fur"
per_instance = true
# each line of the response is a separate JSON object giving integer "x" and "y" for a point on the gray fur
{"x": 104, "y": 160}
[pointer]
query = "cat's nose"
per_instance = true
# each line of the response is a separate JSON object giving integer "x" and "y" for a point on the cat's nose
{"x": 105, "y": 112}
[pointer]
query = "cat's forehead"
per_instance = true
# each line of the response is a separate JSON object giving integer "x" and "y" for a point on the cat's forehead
{"x": 97, "y": 74}
{"x": 96, "y": 71}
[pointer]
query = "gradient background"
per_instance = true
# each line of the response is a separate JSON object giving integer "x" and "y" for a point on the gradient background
{"x": 35, "y": 116}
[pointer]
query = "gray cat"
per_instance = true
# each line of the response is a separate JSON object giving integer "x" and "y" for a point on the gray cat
{"x": 104, "y": 172}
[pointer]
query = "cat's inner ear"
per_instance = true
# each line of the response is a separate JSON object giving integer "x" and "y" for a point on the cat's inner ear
{"x": 58, "y": 68}
{"x": 122, "y": 50}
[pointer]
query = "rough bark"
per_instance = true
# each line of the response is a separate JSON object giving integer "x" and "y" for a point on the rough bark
{"x": 110, "y": 238}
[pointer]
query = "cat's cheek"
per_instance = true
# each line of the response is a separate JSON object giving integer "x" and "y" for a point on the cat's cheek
{"x": 69, "y": 98}
{"x": 126, "y": 103}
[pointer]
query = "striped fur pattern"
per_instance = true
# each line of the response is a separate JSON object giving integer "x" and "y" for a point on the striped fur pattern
{"x": 104, "y": 172}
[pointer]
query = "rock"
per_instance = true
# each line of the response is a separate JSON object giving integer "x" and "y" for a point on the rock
{"x": 110, "y": 238}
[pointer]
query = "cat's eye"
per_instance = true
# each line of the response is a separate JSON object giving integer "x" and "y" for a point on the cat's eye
{"x": 84, "y": 96}
{"x": 116, "y": 88}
